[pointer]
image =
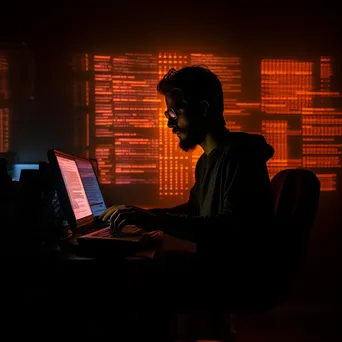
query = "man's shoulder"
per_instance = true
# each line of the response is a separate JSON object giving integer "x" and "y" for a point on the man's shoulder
{"x": 200, "y": 160}
{"x": 248, "y": 146}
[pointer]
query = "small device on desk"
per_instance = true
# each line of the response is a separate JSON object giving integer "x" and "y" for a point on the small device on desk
{"x": 18, "y": 168}
{"x": 82, "y": 201}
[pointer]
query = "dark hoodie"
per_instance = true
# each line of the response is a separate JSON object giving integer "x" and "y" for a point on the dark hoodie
{"x": 231, "y": 196}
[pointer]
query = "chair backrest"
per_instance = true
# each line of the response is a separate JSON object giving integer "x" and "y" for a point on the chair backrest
{"x": 295, "y": 196}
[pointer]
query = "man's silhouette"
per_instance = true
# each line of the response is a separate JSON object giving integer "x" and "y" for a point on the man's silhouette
{"x": 231, "y": 197}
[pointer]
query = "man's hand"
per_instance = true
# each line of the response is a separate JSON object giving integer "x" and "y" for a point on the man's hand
{"x": 110, "y": 211}
{"x": 121, "y": 216}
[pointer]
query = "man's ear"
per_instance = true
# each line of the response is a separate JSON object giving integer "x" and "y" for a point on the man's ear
{"x": 204, "y": 108}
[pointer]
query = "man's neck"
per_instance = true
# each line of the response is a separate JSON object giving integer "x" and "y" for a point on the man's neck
{"x": 213, "y": 140}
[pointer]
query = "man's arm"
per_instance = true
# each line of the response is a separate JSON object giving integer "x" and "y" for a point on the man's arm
{"x": 247, "y": 204}
{"x": 188, "y": 208}
{"x": 179, "y": 209}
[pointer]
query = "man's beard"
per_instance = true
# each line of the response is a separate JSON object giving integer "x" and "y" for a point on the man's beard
{"x": 194, "y": 135}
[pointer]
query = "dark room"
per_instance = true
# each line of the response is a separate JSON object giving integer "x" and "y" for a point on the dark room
{"x": 171, "y": 171}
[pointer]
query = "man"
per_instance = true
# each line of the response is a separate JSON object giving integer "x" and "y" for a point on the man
{"x": 229, "y": 212}
{"x": 231, "y": 198}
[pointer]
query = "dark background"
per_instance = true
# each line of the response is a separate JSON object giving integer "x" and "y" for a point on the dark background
{"x": 51, "y": 34}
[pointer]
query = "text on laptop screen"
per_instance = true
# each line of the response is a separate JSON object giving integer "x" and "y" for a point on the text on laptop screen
{"x": 74, "y": 187}
{"x": 91, "y": 186}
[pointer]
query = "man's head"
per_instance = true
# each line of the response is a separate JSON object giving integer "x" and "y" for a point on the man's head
{"x": 194, "y": 100}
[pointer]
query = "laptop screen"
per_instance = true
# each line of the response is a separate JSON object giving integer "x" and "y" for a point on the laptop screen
{"x": 74, "y": 187}
{"x": 91, "y": 186}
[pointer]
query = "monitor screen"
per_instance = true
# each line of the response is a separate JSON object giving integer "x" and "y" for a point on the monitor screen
{"x": 16, "y": 171}
{"x": 74, "y": 187}
{"x": 91, "y": 186}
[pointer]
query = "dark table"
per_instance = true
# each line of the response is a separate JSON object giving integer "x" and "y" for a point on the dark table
{"x": 59, "y": 293}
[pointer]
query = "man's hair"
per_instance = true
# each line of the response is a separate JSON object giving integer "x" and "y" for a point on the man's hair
{"x": 197, "y": 84}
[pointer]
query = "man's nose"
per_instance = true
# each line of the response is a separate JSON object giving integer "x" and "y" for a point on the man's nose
{"x": 171, "y": 123}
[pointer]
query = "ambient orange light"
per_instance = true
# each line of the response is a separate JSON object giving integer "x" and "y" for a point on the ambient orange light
{"x": 127, "y": 131}
{"x": 288, "y": 88}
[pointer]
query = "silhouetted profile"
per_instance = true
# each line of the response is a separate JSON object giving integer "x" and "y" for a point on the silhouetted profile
{"x": 231, "y": 196}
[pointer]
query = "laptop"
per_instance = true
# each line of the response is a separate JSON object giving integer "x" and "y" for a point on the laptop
{"x": 91, "y": 186}
{"x": 75, "y": 204}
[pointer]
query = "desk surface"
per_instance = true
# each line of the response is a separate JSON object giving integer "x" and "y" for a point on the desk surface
{"x": 169, "y": 244}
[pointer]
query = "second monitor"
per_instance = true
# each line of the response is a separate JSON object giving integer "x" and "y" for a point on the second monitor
{"x": 91, "y": 186}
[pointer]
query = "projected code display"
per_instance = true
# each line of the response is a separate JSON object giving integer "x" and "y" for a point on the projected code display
{"x": 128, "y": 131}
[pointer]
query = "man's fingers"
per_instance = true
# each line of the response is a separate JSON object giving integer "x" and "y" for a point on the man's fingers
{"x": 119, "y": 216}
{"x": 110, "y": 211}
{"x": 119, "y": 225}
{"x": 108, "y": 214}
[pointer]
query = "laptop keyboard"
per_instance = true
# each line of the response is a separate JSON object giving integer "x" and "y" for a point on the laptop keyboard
{"x": 105, "y": 233}
{"x": 87, "y": 230}
{"x": 126, "y": 231}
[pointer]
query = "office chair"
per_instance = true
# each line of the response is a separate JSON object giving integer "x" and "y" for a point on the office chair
{"x": 295, "y": 195}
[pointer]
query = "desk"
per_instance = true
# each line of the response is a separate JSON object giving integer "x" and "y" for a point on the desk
{"x": 168, "y": 246}
{"x": 67, "y": 295}
{"x": 122, "y": 299}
